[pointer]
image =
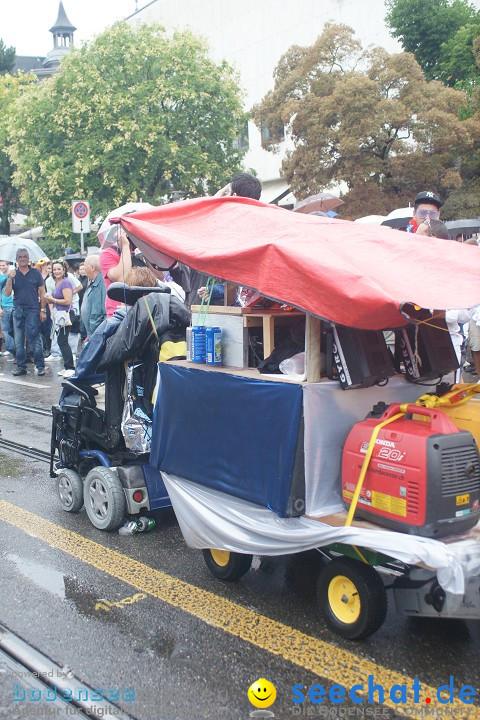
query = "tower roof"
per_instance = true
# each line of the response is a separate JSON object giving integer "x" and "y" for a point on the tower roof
{"x": 62, "y": 22}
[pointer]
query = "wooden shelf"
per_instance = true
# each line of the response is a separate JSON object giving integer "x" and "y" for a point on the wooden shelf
{"x": 254, "y": 318}
{"x": 233, "y": 310}
{"x": 251, "y": 373}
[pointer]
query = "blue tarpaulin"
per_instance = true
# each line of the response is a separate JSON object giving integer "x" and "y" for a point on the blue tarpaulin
{"x": 230, "y": 433}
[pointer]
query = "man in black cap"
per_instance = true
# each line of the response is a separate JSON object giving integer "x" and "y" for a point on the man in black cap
{"x": 427, "y": 204}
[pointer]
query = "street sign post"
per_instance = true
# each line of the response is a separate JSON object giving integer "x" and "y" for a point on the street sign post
{"x": 81, "y": 219}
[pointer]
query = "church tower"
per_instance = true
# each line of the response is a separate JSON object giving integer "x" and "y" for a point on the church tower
{"x": 62, "y": 32}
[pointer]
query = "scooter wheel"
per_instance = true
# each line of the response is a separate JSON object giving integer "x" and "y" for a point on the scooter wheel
{"x": 226, "y": 565}
{"x": 352, "y": 598}
{"x": 104, "y": 499}
{"x": 70, "y": 490}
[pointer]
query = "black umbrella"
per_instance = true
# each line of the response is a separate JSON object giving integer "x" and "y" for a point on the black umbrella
{"x": 463, "y": 227}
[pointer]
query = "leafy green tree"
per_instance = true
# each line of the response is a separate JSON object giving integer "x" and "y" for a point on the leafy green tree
{"x": 7, "y": 58}
{"x": 11, "y": 88}
{"x": 134, "y": 114}
{"x": 439, "y": 33}
{"x": 457, "y": 66}
{"x": 383, "y": 132}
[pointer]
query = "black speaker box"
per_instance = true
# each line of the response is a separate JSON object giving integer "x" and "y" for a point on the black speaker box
{"x": 433, "y": 344}
{"x": 361, "y": 357}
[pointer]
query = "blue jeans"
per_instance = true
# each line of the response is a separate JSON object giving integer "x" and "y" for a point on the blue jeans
{"x": 26, "y": 324}
{"x": 7, "y": 328}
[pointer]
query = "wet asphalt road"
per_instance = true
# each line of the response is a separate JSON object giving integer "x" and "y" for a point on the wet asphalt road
{"x": 176, "y": 665}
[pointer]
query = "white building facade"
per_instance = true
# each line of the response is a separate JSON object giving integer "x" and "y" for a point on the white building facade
{"x": 252, "y": 35}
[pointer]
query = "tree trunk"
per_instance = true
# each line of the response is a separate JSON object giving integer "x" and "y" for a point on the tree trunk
{"x": 4, "y": 219}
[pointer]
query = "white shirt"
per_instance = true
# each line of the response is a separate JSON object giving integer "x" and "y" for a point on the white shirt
{"x": 453, "y": 318}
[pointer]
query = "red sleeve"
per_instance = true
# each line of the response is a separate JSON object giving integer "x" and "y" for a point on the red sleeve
{"x": 109, "y": 259}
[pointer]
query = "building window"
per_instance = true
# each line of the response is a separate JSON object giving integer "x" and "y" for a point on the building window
{"x": 272, "y": 136}
{"x": 241, "y": 141}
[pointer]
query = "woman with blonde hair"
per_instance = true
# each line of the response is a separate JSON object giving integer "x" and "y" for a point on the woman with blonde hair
{"x": 140, "y": 277}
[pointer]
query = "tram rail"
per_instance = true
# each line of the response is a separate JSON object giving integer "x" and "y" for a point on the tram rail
{"x": 26, "y": 450}
{"x": 36, "y": 674}
{"x": 26, "y": 408}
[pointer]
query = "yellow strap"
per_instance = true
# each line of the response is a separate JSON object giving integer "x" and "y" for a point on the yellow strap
{"x": 458, "y": 395}
{"x": 150, "y": 316}
{"x": 366, "y": 463}
{"x": 360, "y": 555}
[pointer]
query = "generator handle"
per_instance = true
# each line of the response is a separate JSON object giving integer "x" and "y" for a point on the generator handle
{"x": 440, "y": 422}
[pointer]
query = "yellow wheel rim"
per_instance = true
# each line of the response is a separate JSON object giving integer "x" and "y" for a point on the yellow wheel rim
{"x": 221, "y": 557}
{"x": 344, "y": 600}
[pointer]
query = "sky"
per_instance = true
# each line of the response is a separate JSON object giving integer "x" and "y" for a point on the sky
{"x": 25, "y": 24}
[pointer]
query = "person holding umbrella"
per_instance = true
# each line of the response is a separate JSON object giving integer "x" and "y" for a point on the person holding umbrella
{"x": 27, "y": 286}
{"x": 116, "y": 254}
{"x": 115, "y": 264}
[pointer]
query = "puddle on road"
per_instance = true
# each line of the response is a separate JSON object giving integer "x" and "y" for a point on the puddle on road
{"x": 43, "y": 576}
{"x": 9, "y": 467}
{"x": 65, "y": 587}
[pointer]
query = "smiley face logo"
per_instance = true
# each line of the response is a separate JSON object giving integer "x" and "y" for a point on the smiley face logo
{"x": 262, "y": 693}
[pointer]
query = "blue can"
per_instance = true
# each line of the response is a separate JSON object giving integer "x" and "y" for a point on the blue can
{"x": 199, "y": 344}
{"x": 214, "y": 346}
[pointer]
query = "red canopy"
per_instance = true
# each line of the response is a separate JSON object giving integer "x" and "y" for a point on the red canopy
{"x": 349, "y": 273}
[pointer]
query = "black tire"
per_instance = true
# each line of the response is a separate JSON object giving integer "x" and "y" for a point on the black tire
{"x": 352, "y": 598}
{"x": 226, "y": 565}
{"x": 104, "y": 499}
{"x": 70, "y": 490}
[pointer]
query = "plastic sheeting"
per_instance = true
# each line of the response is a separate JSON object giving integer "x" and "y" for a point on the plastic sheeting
{"x": 352, "y": 274}
{"x": 211, "y": 519}
{"x": 330, "y": 414}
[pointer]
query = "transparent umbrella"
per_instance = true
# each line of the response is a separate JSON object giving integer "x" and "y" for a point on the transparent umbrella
{"x": 399, "y": 218}
{"x": 371, "y": 219}
{"x": 322, "y": 202}
{"x": 9, "y": 244}
{"x": 108, "y": 234}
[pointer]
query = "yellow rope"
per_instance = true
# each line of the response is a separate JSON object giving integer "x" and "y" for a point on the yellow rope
{"x": 366, "y": 463}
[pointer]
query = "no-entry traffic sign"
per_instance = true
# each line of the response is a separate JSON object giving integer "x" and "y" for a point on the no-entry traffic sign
{"x": 81, "y": 216}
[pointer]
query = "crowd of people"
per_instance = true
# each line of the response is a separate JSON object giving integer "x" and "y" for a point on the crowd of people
{"x": 50, "y": 309}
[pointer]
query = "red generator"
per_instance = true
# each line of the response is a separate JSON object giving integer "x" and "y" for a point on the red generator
{"x": 423, "y": 477}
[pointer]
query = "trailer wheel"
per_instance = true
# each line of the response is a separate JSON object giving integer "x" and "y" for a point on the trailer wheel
{"x": 352, "y": 598}
{"x": 70, "y": 490}
{"x": 104, "y": 499}
{"x": 226, "y": 565}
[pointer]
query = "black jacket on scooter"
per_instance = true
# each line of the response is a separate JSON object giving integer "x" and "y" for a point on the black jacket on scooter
{"x": 135, "y": 338}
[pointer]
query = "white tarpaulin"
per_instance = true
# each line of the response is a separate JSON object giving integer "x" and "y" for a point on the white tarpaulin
{"x": 211, "y": 519}
{"x": 330, "y": 414}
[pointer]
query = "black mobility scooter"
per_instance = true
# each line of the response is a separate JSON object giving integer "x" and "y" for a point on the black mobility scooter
{"x": 103, "y": 423}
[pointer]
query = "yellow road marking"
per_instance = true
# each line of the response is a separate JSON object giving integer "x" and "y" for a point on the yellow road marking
{"x": 316, "y": 656}
{"x": 105, "y": 605}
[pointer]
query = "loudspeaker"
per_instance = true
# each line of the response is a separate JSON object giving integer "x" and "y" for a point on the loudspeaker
{"x": 432, "y": 344}
{"x": 361, "y": 357}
